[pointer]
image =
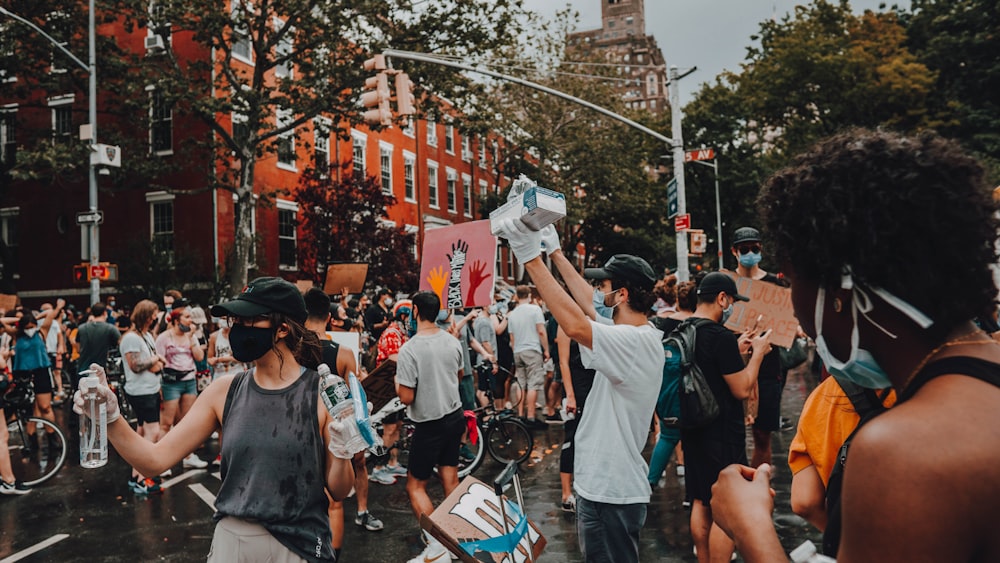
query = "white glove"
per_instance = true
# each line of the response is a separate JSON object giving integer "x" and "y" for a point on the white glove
{"x": 550, "y": 239}
{"x": 525, "y": 243}
{"x": 340, "y": 437}
{"x": 102, "y": 390}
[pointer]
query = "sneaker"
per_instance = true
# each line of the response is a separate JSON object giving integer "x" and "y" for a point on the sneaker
{"x": 433, "y": 553}
{"x": 553, "y": 419}
{"x": 370, "y": 523}
{"x": 138, "y": 487}
{"x": 195, "y": 462}
{"x": 466, "y": 454}
{"x": 786, "y": 424}
{"x": 215, "y": 435}
{"x": 167, "y": 473}
{"x": 217, "y": 460}
{"x": 152, "y": 484}
{"x": 15, "y": 488}
{"x": 569, "y": 505}
{"x": 397, "y": 470}
{"x": 680, "y": 470}
{"x": 382, "y": 475}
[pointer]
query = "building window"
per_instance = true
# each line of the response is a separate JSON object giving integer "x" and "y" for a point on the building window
{"x": 409, "y": 184}
{"x": 321, "y": 145}
{"x": 466, "y": 148}
{"x": 242, "y": 47}
{"x": 161, "y": 123}
{"x": 467, "y": 195}
{"x": 449, "y": 139}
{"x": 283, "y": 68}
{"x": 8, "y": 137}
{"x": 432, "y": 134}
{"x": 6, "y": 51}
{"x": 432, "y": 185}
{"x": 451, "y": 179}
{"x": 358, "y": 143}
{"x": 651, "y": 84}
{"x": 9, "y": 235}
{"x": 240, "y": 131}
{"x": 483, "y": 186}
{"x": 410, "y": 129}
{"x": 62, "y": 118}
{"x": 161, "y": 224}
{"x": 385, "y": 161}
{"x": 482, "y": 152}
{"x": 287, "y": 221}
{"x": 286, "y": 140}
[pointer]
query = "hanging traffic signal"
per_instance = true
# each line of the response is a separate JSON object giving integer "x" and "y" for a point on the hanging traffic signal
{"x": 404, "y": 95}
{"x": 376, "y": 99}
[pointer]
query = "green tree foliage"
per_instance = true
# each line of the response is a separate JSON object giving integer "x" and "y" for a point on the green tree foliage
{"x": 345, "y": 221}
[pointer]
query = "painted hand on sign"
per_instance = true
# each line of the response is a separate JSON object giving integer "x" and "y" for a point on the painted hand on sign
{"x": 477, "y": 275}
{"x": 437, "y": 280}
{"x": 479, "y": 508}
{"x": 456, "y": 260}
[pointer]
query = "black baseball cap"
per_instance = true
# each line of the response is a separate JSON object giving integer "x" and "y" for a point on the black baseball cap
{"x": 746, "y": 234}
{"x": 717, "y": 282}
{"x": 263, "y": 296}
{"x": 624, "y": 267}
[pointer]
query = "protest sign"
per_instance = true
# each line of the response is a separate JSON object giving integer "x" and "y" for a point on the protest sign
{"x": 380, "y": 385}
{"x": 351, "y": 276}
{"x": 7, "y": 302}
{"x": 770, "y": 303}
{"x": 304, "y": 285}
{"x": 471, "y": 513}
{"x": 458, "y": 263}
{"x": 351, "y": 340}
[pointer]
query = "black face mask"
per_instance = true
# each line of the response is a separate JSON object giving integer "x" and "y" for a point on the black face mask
{"x": 184, "y": 328}
{"x": 348, "y": 324}
{"x": 250, "y": 343}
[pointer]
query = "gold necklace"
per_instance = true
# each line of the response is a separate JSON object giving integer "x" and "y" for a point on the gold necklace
{"x": 960, "y": 340}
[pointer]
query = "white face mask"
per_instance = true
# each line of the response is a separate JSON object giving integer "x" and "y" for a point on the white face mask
{"x": 31, "y": 331}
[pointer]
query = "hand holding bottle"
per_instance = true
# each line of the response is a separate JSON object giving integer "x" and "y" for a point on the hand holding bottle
{"x": 101, "y": 389}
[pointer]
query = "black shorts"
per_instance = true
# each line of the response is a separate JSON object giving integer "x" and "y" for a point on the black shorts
{"x": 146, "y": 407}
{"x": 436, "y": 443}
{"x": 703, "y": 460}
{"x": 769, "y": 410}
{"x": 41, "y": 379}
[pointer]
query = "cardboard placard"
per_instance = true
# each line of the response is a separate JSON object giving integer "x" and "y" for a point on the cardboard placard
{"x": 350, "y": 340}
{"x": 380, "y": 385}
{"x": 458, "y": 263}
{"x": 772, "y": 303}
{"x": 8, "y": 302}
{"x": 351, "y": 276}
{"x": 470, "y": 513}
{"x": 304, "y": 285}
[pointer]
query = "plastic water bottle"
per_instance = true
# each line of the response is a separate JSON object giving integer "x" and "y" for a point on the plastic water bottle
{"x": 93, "y": 426}
{"x": 806, "y": 553}
{"x": 336, "y": 397}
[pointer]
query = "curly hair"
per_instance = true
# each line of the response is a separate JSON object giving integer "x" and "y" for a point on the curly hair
{"x": 912, "y": 215}
{"x": 666, "y": 289}
{"x": 687, "y": 297}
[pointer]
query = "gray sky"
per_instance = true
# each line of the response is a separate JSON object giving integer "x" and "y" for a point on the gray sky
{"x": 710, "y": 34}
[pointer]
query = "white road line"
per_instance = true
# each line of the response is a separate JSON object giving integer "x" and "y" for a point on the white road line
{"x": 217, "y": 475}
{"x": 181, "y": 477}
{"x": 202, "y": 493}
{"x": 35, "y": 548}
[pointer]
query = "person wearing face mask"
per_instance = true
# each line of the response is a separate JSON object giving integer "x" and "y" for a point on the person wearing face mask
{"x": 171, "y": 298}
{"x": 853, "y": 222}
{"x": 378, "y": 317}
{"x": 283, "y": 451}
{"x": 31, "y": 362}
{"x": 178, "y": 346}
{"x": 770, "y": 382}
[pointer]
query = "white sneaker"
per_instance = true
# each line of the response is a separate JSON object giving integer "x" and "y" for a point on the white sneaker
{"x": 195, "y": 462}
{"x": 680, "y": 470}
{"x": 433, "y": 553}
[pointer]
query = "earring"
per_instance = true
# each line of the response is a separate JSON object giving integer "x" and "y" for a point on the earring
{"x": 838, "y": 305}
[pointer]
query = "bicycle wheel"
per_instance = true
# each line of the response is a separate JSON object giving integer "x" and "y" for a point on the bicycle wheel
{"x": 509, "y": 440}
{"x": 38, "y": 456}
{"x": 124, "y": 406}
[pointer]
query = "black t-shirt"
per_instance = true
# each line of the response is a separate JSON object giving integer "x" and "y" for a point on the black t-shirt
{"x": 718, "y": 354}
{"x": 330, "y": 351}
{"x": 374, "y": 315}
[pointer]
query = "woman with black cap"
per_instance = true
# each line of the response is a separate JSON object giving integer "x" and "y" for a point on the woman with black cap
{"x": 282, "y": 448}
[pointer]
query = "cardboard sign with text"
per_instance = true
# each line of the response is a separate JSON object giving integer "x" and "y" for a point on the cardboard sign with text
{"x": 458, "y": 263}
{"x": 772, "y": 303}
{"x": 471, "y": 513}
{"x": 351, "y": 276}
{"x": 7, "y": 302}
{"x": 304, "y": 285}
{"x": 380, "y": 385}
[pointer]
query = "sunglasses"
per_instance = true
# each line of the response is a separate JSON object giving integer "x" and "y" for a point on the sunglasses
{"x": 743, "y": 249}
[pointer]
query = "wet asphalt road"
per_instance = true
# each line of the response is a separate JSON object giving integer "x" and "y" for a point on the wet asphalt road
{"x": 85, "y": 515}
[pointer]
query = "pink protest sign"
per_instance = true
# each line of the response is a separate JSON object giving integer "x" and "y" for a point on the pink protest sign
{"x": 459, "y": 264}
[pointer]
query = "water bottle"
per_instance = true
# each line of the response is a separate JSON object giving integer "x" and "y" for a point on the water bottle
{"x": 336, "y": 397}
{"x": 806, "y": 553}
{"x": 93, "y": 426}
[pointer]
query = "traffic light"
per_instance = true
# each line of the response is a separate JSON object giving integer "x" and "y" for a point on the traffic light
{"x": 80, "y": 272}
{"x": 376, "y": 99}
{"x": 404, "y": 95}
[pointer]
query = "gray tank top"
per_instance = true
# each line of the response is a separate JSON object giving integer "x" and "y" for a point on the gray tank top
{"x": 274, "y": 463}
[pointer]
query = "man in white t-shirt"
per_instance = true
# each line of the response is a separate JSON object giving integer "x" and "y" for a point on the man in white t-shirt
{"x": 526, "y": 324}
{"x": 609, "y": 471}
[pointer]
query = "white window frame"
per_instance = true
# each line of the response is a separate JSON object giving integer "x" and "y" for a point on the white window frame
{"x": 284, "y": 205}
{"x": 284, "y": 47}
{"x": 241, "y": 36}
{"x": 432, "y": 136}
{"x": 385, "y": 151}
{"x": 449, "y": 138}
{"x": 482, "y": 152}
{"x": 282, "y": 117}
{"x": 484, "y": 186}
{"x": 359, "y": 158}
{"x": 451, "y": 179}
{"x": 6, "y": 50}
{"x": 6, "y": 214}
{"x": 162, "y": 198}
{"x": 8, "y": 134}
{"x": 153, "y": 121}
{"x": 432, "y": 185}
{"x": 467, "y": 148}
{"x": 410, "y": 129}
{"x": 409, "y": 177}
{"x": 413, "y": 230}
{"x": 321, "y": 143}
{"x": 58, "y": 103}
{"x": 466, "y": 195}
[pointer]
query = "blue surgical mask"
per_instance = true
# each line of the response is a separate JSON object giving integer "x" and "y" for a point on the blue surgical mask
{"x": 750, "y": 259}
{"x": 726, "y": 313}
{"x": 602, "y": 309}
{"x": 411, "y": 328}
{"x": 861, "y": 367}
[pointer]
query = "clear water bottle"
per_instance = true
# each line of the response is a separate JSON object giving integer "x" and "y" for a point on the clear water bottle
{"x": 94, "y": 425}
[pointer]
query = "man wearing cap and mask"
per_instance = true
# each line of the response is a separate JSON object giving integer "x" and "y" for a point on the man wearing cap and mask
{"x": 709, "y": 449}
{"x": 609, "y": 471}
{"x": 747, "y": 251}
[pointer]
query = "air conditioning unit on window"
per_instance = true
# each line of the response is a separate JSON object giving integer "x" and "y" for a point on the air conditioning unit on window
{"x": 154, "y": 43}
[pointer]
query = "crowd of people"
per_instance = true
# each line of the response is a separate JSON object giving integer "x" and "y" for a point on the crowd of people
{"x": 849, "y": 225}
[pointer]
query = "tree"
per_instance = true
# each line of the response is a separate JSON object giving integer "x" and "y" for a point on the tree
{"x": 346, "y": 221}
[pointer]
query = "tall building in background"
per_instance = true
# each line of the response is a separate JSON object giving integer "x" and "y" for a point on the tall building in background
{"x": 622, "y": 39}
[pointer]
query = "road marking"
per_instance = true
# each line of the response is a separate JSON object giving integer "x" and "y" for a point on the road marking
{"x": 35, "y": 548}
{"x": 202, "y": 493}
{"x": 181, "y": 477}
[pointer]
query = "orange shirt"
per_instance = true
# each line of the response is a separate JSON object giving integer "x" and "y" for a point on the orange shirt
{"x": 827, "y": 419}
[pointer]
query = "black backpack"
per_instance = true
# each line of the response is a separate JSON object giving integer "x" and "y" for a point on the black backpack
{"x": 698, "y": 405}
{"x": 868, "y": 403}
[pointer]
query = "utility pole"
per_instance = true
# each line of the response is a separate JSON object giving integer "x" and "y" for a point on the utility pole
{"x": 683, "y": 273}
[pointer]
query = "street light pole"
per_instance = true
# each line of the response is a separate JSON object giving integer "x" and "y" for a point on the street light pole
{"x": 683, "y": 273}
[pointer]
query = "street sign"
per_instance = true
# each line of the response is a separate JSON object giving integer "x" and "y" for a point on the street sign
{"x": 672, "y": 205}
{"x": 682, "y": 222}
{"x": 88, "y": 217}
{"x": 700, "y": 154}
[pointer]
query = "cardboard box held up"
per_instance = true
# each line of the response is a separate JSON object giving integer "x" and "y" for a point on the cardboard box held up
{"x": 536, "y": 206}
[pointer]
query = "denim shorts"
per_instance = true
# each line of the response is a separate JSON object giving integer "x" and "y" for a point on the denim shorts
{"x": 173, "y": 391}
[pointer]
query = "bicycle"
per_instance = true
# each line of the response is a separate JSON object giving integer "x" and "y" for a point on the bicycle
{"x": 32, "y": 463}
